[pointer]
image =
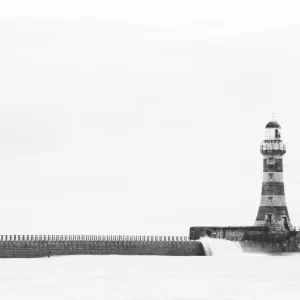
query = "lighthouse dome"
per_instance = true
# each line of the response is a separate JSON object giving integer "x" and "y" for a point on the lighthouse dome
{"x": 273, "y": 124}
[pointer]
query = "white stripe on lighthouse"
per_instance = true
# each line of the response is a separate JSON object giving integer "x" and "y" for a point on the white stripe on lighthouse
{"x": 272, "y": 200}
{"x": 276, "y": 177}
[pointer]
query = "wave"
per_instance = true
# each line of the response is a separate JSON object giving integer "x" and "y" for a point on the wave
{"x": 220, "y": 247}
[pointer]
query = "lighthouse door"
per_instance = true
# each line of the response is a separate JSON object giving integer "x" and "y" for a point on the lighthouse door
{"x": 269, "y": 219}
{"x": 285, "y": 223}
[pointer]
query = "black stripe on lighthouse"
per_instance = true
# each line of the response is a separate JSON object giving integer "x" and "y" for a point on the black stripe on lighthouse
{"x": 276, "y": 167}
{"x": 272, "y": 188}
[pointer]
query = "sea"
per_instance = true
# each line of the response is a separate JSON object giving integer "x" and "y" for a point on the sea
{"x": 228, "y": 274}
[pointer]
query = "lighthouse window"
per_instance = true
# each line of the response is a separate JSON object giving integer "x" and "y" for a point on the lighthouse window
{"x": 271, "y": 176}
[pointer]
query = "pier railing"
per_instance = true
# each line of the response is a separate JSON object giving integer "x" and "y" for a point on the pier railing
{"x": 87, "y": 238}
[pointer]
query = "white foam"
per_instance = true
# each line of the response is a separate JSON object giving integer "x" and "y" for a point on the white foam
{"x": 219, "y": 247}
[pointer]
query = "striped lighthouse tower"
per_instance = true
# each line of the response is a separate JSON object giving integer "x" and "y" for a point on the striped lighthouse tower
{"x": 272, "y": 210}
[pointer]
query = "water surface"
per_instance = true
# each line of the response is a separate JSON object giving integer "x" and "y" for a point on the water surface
{"x": 151, "y": 277}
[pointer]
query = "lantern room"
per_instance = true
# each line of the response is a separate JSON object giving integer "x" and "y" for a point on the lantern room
{"x": 273, "y": 131}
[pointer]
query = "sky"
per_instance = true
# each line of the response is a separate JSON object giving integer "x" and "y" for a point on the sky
{"x": 143, "y": 117}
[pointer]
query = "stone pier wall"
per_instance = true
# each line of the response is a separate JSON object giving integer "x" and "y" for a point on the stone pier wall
{"x": 39, "y": 246}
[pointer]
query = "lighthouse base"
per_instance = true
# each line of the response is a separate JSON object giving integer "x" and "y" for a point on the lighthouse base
{"x": 275, "y": 217}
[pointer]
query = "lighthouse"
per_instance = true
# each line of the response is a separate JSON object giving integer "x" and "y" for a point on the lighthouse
{"x": 272, "y": 210}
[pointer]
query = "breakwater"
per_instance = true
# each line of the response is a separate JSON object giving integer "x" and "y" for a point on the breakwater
{"x": 26, "y": 246}
{"x": 29, "y": 246}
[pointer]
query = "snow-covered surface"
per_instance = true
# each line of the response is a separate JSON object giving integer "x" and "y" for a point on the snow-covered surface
{"x": 150, "y": 277}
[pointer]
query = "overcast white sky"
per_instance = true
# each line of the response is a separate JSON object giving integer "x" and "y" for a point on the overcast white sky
{"x": 143, "y": 117}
